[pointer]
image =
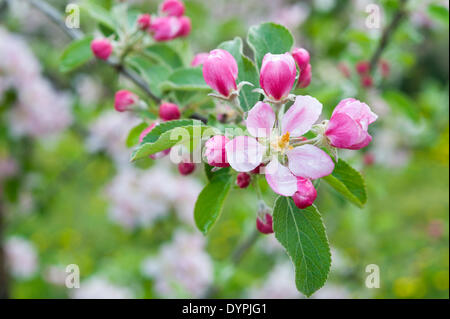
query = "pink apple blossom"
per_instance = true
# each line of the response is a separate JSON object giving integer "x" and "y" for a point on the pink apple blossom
{"x": 172, "y": 8}
{"x": 277, "y": 75}
{"x": 305, "y": 77}
{"x": 301, "y": 56}
{"x": 169, "y": 112}
{"x": 215, "y": 151}
{"x": 165, "y": 28}
{"x": 186, "y": 168}
{"x": 243, "y": 180}
{"x": 273, "y": 144}
{"x": 101, "y": 48}
{"x": 124, "y": 99}
{"x": 185, "y": 27}
{"x": 144, "y": 21}
{"x": 264, "y": 224}
{"x": 348, "y": 125}
{"x": 220, "y": 71}
{"x": 306, "y": 193}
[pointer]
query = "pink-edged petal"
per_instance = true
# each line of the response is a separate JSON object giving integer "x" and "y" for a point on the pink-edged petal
{"x": 309, "y": 161}
{"x": 357, "y": 110}
{"x": 244, "y": 153}
{"x": 301, "y": 115}
{"x": 280, "y": 179}
{"x": 260, "y": 120}
{"x": 362, "y": 144}
{"x": 343, "y": 131}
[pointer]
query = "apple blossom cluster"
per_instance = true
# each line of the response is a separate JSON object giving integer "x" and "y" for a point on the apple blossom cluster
{"x": 21, "y": 257}
{"x": 39, "y": 110}
{"x": 363, "y": 70}
{"x": 137, "y": 200}
{"x": 189, "y": 278}
{"x": 276, "y": 144}
{"x": 169, "y": 24}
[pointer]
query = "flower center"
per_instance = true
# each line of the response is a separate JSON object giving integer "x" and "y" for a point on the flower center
{"x": 281, "y": 143}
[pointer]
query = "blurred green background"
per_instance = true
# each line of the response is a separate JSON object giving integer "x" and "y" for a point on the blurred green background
{"x": 64, "y": 200}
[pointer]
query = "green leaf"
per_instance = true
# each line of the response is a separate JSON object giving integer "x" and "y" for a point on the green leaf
{"x": 76, "y": 54}
{"x": 186, "y": 79}
{"x": 133, "y": 136}
{"x": 220, "y": 171}
{"x": 247, "y": 72}
{"x": 269, "y": 37}
{"x": 302, "y": 234}
{"x": 348, "y": 182}
{"x": 402, "y": 103}
{"x": 439, "y": 13}
{"x": 154, "y": 75}
{"x": 99, "y": 14}
{"x": 210, "y": 202}
{"x": 170, "y": 133}
{"x": 164, "y": 54}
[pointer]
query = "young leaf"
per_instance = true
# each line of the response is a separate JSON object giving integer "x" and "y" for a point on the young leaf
{"x": 210, "y": 202}
{"x": 168, "y": 134}
{"x": 164, "y": 54}
{"x": 348, "y": 182}
{"x": 100, "y": 14}
{"x": 302, "y": 234}
{"x": 133, "y": 136}
{"x": 76, "y": 54}
{"x": 269, "y": 37}
{"x": 154, "y": 75}
{"x": 247, "y": 72}
{"x": 185, "y": 79}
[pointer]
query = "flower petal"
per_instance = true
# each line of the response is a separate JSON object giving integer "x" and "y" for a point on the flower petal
{"x": 280, "y": 179}
{"x": 343, "y": 131}
{"x": 301, "y": 115}
{"x": 309, "y": 161}
{"x": 260, "y": 120}
{"x": 244, "y": 153}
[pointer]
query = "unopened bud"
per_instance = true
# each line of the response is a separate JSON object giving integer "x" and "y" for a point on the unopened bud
{"x": 243, "y": 180}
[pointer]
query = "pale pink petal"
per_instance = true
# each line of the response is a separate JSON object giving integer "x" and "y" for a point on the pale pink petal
{"x": 301, "y": 115}
{"x": 260, "y": 120}
{"x": 309, "y": 161}
{"x": 244, "y": 153}
{"x": 357, "y": 110}
{"x": 280, "y": 179}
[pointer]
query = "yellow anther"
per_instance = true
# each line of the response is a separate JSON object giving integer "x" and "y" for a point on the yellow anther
{"x": 284, "y": 141}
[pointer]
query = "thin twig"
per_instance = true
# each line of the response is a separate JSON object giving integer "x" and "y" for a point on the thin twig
{"x": 75, "y": 34}
{"x": 387, "y": 33}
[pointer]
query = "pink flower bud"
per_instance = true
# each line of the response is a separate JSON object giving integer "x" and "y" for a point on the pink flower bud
{"x": 144, "y": 134}
{"x": 369, "y": 159}
{"x": 144, "y": 21}
{"x": 101, "y": 48}
{"x": 186, "y": 168}
{"x": 124, "y": 100}
{"x": 362, "y": 67}
{"x": 215, "y": 151}
{"x": 348, "y": 125}
{"x": 173, "y": 8}
{"x": 306, "y": 193}
{"x": 367, "y": 81}
{"x": 169, "y": 112}
{"x": 165, "y": 28}
{"x": 185, "y": 28}
{"x": 199, "y": 59}
{"x": 243, "y": 180}
{"x": 265, "y": 225}
{"x": 277, "y": 76}
{"x": 301, "y": 56}
{"x": 305, "y": 77}
{"x": 220, "y": 71}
